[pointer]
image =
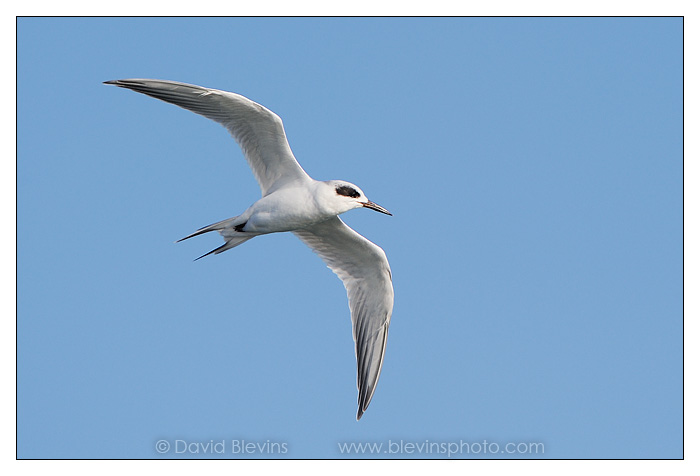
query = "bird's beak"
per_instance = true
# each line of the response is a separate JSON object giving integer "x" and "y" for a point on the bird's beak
{"x": 375, "y": 207}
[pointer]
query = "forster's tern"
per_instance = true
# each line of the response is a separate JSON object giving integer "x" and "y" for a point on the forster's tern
{"x": 293, "y": 201}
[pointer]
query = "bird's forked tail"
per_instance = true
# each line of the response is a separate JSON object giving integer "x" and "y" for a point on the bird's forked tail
{"x": 228, "y": 229}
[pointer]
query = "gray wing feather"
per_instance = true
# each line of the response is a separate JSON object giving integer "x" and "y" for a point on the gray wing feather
{"x": 257, "y": 130}
{"x": 365, "y": 272}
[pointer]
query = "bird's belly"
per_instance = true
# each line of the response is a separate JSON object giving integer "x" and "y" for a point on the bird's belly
{"x": 277, "y": 214}
{"x": 266, "y": 222}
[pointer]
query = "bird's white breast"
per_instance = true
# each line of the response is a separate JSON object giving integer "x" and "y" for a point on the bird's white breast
{"x": 285, "y": 210}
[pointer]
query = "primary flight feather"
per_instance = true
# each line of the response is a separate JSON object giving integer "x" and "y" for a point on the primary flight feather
{"x": 293, "y": 201}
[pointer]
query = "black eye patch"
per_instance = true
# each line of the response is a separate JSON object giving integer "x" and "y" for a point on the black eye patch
{"x": 347, "y": 191}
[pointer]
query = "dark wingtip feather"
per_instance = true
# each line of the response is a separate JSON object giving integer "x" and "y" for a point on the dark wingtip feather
{"x": 126, "y": 83}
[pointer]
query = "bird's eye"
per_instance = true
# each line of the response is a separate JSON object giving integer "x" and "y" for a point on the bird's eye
{"x": 347, "y": 191}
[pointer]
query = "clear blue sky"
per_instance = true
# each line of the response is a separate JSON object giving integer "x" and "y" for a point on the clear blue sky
{"x": 534, "y": 169}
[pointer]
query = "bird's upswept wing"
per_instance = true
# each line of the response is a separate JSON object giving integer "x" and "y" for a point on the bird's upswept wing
{"x": 258, "y": 131}
{"x": 364, "y": 269}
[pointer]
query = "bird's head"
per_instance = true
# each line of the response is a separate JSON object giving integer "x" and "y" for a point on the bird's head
{"x": 345, "y": 196}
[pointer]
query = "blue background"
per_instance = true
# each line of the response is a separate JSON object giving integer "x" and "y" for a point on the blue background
{"x": 534, "y": 169}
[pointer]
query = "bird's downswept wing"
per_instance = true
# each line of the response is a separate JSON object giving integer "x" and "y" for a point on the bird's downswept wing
{"x": 364, "y": 269}
{"x": 258, "y": 131}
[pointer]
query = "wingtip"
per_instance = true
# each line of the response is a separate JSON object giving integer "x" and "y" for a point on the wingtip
{"x": 125, "y": 83}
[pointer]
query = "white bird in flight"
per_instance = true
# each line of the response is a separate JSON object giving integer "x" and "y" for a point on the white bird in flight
{"x": 293, "y": 201}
